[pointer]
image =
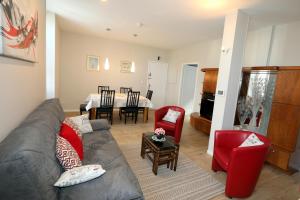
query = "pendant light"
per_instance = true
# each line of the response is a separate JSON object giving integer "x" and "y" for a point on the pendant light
{"x": 106, "y": 64}
{"x": 132, "y": 67}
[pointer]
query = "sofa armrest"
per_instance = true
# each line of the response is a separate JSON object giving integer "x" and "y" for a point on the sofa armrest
{"x": 100, "y": 124}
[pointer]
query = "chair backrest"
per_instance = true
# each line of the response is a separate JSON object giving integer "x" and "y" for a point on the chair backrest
{"x": 107, "y": 99}
{"x": 133, "y": 99}
{"x": 149, "y": 94}
{"x": 125, "y": 90}
{"x": 102, "y": 87}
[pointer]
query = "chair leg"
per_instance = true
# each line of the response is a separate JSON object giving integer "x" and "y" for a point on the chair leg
{"x": 125, "y": 117}
{"x": 136, "y": 115}
{"x": 111, "y": 117}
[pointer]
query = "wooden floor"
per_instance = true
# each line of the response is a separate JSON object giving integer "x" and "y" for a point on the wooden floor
{"x": 273, "y": 183}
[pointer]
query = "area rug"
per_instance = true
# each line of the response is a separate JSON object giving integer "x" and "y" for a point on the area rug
{"x": 188, "y": 182}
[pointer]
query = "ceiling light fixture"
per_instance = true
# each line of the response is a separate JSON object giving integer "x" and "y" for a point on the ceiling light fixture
{"x": 103, "y": 1}
{"x": 106, "y": 64}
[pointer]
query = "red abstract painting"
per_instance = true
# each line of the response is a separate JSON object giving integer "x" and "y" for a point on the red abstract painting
{"x": 19, "y": 29}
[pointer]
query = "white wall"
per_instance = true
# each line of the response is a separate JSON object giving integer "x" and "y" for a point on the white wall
{"x": 22, "y": 84}
{"x": 77, "y": 82}
{"x": 284, "y": 52}
{"x": 206, "y": 54}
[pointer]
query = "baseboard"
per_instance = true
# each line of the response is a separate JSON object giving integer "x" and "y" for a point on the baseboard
{"x": 71, "y": 110}
{"x": 209, "y": 152}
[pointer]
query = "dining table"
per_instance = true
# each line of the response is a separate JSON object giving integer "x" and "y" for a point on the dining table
{"x": 92, "y": 101}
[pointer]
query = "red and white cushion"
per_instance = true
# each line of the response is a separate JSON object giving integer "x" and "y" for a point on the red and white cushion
{"x": 69, "y": 134}
{"x": 66, "y": 154}
{"x": 70, "y": 123}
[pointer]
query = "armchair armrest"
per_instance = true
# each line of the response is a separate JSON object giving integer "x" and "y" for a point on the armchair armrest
{"x": 229, "y": 138}
{"x": 100, "y": 124}
{"x": 160, "y": 113}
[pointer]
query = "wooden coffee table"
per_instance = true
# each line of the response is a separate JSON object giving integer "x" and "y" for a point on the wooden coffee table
{"x": 160, "y": 152}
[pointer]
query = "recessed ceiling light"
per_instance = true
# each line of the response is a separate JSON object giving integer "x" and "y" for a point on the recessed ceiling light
{"x": 135, "y": 35}
{"x": 103, "y": 0}
{"x": 108, "y": 29}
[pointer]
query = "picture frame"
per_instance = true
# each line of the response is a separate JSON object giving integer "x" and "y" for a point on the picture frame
{"x": 19, "y": 30}
{"x": 125, "y": 66}
{"x": 92, "y": 63}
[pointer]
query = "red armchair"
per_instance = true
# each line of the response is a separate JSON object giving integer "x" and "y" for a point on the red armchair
{"x": 170, "y": 128}
{"x": 242, "y": 164}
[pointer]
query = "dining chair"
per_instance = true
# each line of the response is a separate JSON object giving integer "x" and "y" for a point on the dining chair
{"x": 148, "y": 96}
{"x": 102, "y": 87}
{"x": 132, "y": 104}
{"x": 106, "y": 107}
{"x": 82, "y": 108}
{"x": 125, "y": 90}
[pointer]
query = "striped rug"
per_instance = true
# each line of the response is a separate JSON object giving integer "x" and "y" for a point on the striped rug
{"x": 188, "y": 182}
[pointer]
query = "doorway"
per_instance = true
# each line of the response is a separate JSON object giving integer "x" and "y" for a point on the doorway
{"x": 188, "y": 85}
{"x": 157, "y": 81}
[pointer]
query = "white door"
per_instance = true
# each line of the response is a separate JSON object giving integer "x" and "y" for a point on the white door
{"x": 188, "y": 83}
{"x": 157, "y": 81}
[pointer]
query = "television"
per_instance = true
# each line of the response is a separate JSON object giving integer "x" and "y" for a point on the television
{"x": 207, "y": 105}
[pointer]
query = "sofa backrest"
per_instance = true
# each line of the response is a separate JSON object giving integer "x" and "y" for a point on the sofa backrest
{"x": 28, "y": 165}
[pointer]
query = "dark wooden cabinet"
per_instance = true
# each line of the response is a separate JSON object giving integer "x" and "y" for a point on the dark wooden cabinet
{"x": 209, "y": 85}
{"x": 284, "y": 123}
{"x": 287, "y": 88}
{"x": 210, "y": 80}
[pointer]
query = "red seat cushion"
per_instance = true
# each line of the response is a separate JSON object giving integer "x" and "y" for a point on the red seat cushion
{"x": 222, "y": 155}
{"x": 71, "y": 136}
{"x": 167, "y": 126}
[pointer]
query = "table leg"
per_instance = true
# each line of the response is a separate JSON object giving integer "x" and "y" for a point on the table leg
{"x": 176, "y": 158}
{"x": 93, "y": 113}
{"x": 143, "y": 148}
{"x": 146, "y": 111}
{"x": 155, "y": 163}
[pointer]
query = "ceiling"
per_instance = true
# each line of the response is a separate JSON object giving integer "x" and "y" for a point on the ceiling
{"x": 167, "y": 24}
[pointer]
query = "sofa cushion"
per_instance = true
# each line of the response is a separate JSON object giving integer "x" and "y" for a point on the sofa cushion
{"x": 79, "y": 175}
{"x": 118, "y": 182}
{"x": 83, "y": 123}
{"x": 72, "y": 137}
{"x": 28, "y": 165}
{"x": 66, "y": 154}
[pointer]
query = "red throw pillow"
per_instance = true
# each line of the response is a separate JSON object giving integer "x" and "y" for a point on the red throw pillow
{"x": 71, "y": 136}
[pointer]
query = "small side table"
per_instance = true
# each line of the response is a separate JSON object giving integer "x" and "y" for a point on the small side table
{"x": 160, "y": 152}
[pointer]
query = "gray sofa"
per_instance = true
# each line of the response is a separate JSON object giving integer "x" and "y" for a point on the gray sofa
{"x": 29, "y": 167}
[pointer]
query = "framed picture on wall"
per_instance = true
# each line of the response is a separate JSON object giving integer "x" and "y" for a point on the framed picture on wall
{"x": 19, "y": 29}
{"x": 92, "y": 63}
{"x": 125, "y": 66}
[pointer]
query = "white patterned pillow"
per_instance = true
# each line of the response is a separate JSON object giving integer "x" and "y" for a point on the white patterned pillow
{"x": 171, "y": 116}
{"x": 66, "y": 154}
{"x": 252, "y": 140}
{"x": 79, "y": 175}
{"x": 83, "y": 123}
